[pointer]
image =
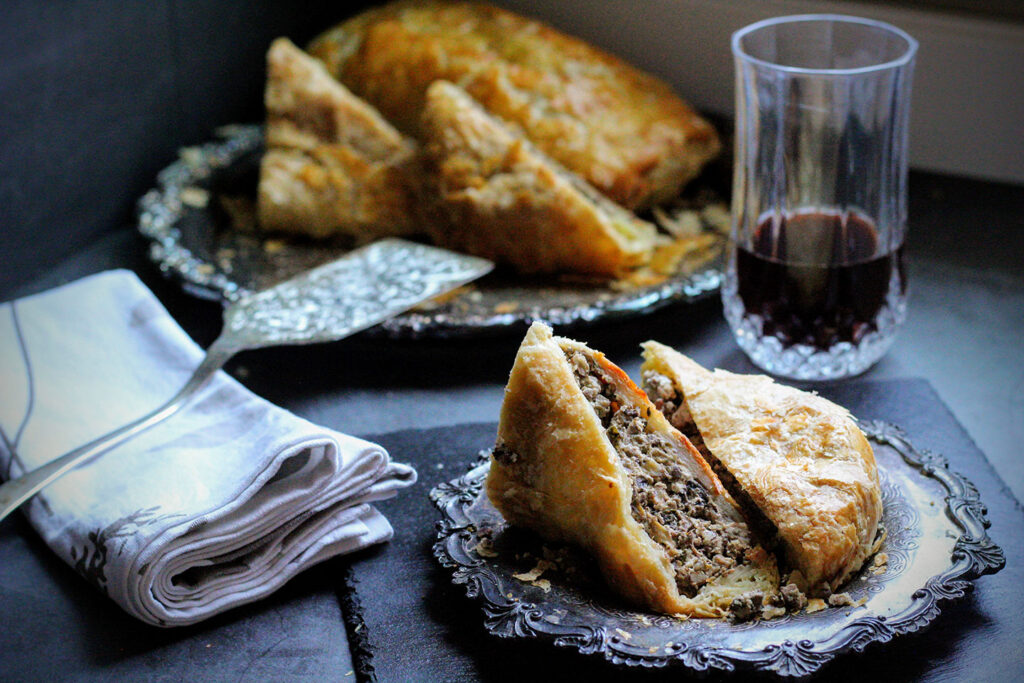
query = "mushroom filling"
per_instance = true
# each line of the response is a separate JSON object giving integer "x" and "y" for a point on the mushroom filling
{"x": 669, "y": 503}
{"x": 672, "y": 403}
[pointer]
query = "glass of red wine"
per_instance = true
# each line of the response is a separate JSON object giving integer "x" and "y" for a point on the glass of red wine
{"x": 815, "y": 285}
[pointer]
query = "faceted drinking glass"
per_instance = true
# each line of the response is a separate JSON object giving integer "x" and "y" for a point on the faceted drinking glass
{"x": 815, "y": 285}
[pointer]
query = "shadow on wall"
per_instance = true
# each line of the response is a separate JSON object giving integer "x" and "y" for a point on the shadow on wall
{"x": 100, "y": 95}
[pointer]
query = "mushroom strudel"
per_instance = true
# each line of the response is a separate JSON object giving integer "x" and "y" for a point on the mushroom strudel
{"x": 624, "y": 131}
{"x": 333, "y": 165}
{"x": 499, "y": 197}
{"x": 793, "y": 460}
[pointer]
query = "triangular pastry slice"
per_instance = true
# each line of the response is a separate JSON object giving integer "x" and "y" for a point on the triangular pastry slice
{"x": 794, "y": 459}
{"x": 501, "y": 198}
{"x": 333, "y": 165}
{"x": 583, "y": 456}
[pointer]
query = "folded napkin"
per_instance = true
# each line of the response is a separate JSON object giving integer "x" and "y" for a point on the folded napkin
{"x": 217, "y": 506}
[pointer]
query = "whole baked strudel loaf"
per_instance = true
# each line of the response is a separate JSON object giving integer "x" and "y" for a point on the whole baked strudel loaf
{"x": 796, "y": 462}
{"x": 624, "y": 131}
{"x": 583, "y": 456}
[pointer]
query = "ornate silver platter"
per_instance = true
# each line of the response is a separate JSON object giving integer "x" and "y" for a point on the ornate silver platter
{"x": 196, "y": 220}
{"x": 936, "y": 543}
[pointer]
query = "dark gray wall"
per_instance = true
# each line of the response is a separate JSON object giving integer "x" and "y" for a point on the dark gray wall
{"x": 97, "y": 96}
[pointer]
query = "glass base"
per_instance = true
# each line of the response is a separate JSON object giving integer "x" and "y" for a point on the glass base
{"x": 805, "y": 362}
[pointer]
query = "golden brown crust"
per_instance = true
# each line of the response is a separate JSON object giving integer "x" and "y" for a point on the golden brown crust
{"x": 333, "y": 165}
{"x": 622, "y": 130}
{"x": 565, "y": 479}
{"x": 801, "y": 459}
{"x": 500, "y": 198}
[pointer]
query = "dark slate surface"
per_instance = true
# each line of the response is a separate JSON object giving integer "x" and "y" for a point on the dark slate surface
{"x": 57, "y": 627}
{"x": 361, "y": 385}
{"x": 413, "y": 624}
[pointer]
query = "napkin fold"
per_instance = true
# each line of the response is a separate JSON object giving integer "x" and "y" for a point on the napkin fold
{"x": 217, "y": 506}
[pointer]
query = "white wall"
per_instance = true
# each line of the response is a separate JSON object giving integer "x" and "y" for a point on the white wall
{"x": 967, "y": 113}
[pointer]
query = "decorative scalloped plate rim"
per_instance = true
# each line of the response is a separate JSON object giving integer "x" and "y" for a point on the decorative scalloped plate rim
{"x": 161, "y": 209}
{"x": 512, "y": 608}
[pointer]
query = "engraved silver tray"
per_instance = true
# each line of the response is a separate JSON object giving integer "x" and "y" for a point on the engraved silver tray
{"x": 192, "y": 240}
{"x": 936, "y": 543}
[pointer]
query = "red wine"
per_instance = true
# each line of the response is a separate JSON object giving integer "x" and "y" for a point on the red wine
{"x": 817, "y": 305}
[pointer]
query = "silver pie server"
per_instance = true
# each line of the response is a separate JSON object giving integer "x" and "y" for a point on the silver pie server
{"x": 330, "y": 302}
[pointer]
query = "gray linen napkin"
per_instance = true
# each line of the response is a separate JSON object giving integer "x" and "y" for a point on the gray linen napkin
{"x": 218, "y": 506}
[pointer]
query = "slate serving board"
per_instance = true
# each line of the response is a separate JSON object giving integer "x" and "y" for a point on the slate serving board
{"x": 406, "y": 621}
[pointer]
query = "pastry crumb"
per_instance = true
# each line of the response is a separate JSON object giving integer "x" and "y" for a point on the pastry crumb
{"x": 485, "y": 549}
{"x": 684, "y": 223}
{"x": 815, "y": 605}
{"x": 506, "y": 307}
{"x": 626, "y": 635}
{"x": 273, "y": 246}
{"x": 717, "y": 217}
{"x": 535, "y": 573}
{"x": 195, "y": 197}
{"x": 840, "y": 600}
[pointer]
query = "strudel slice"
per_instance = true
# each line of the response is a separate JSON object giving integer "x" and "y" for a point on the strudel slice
{"x": 792, "y": 458}
{"x": 583, "y": 456}
{"x": 333, "y": 165}
{"x": 501, "y": 198}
